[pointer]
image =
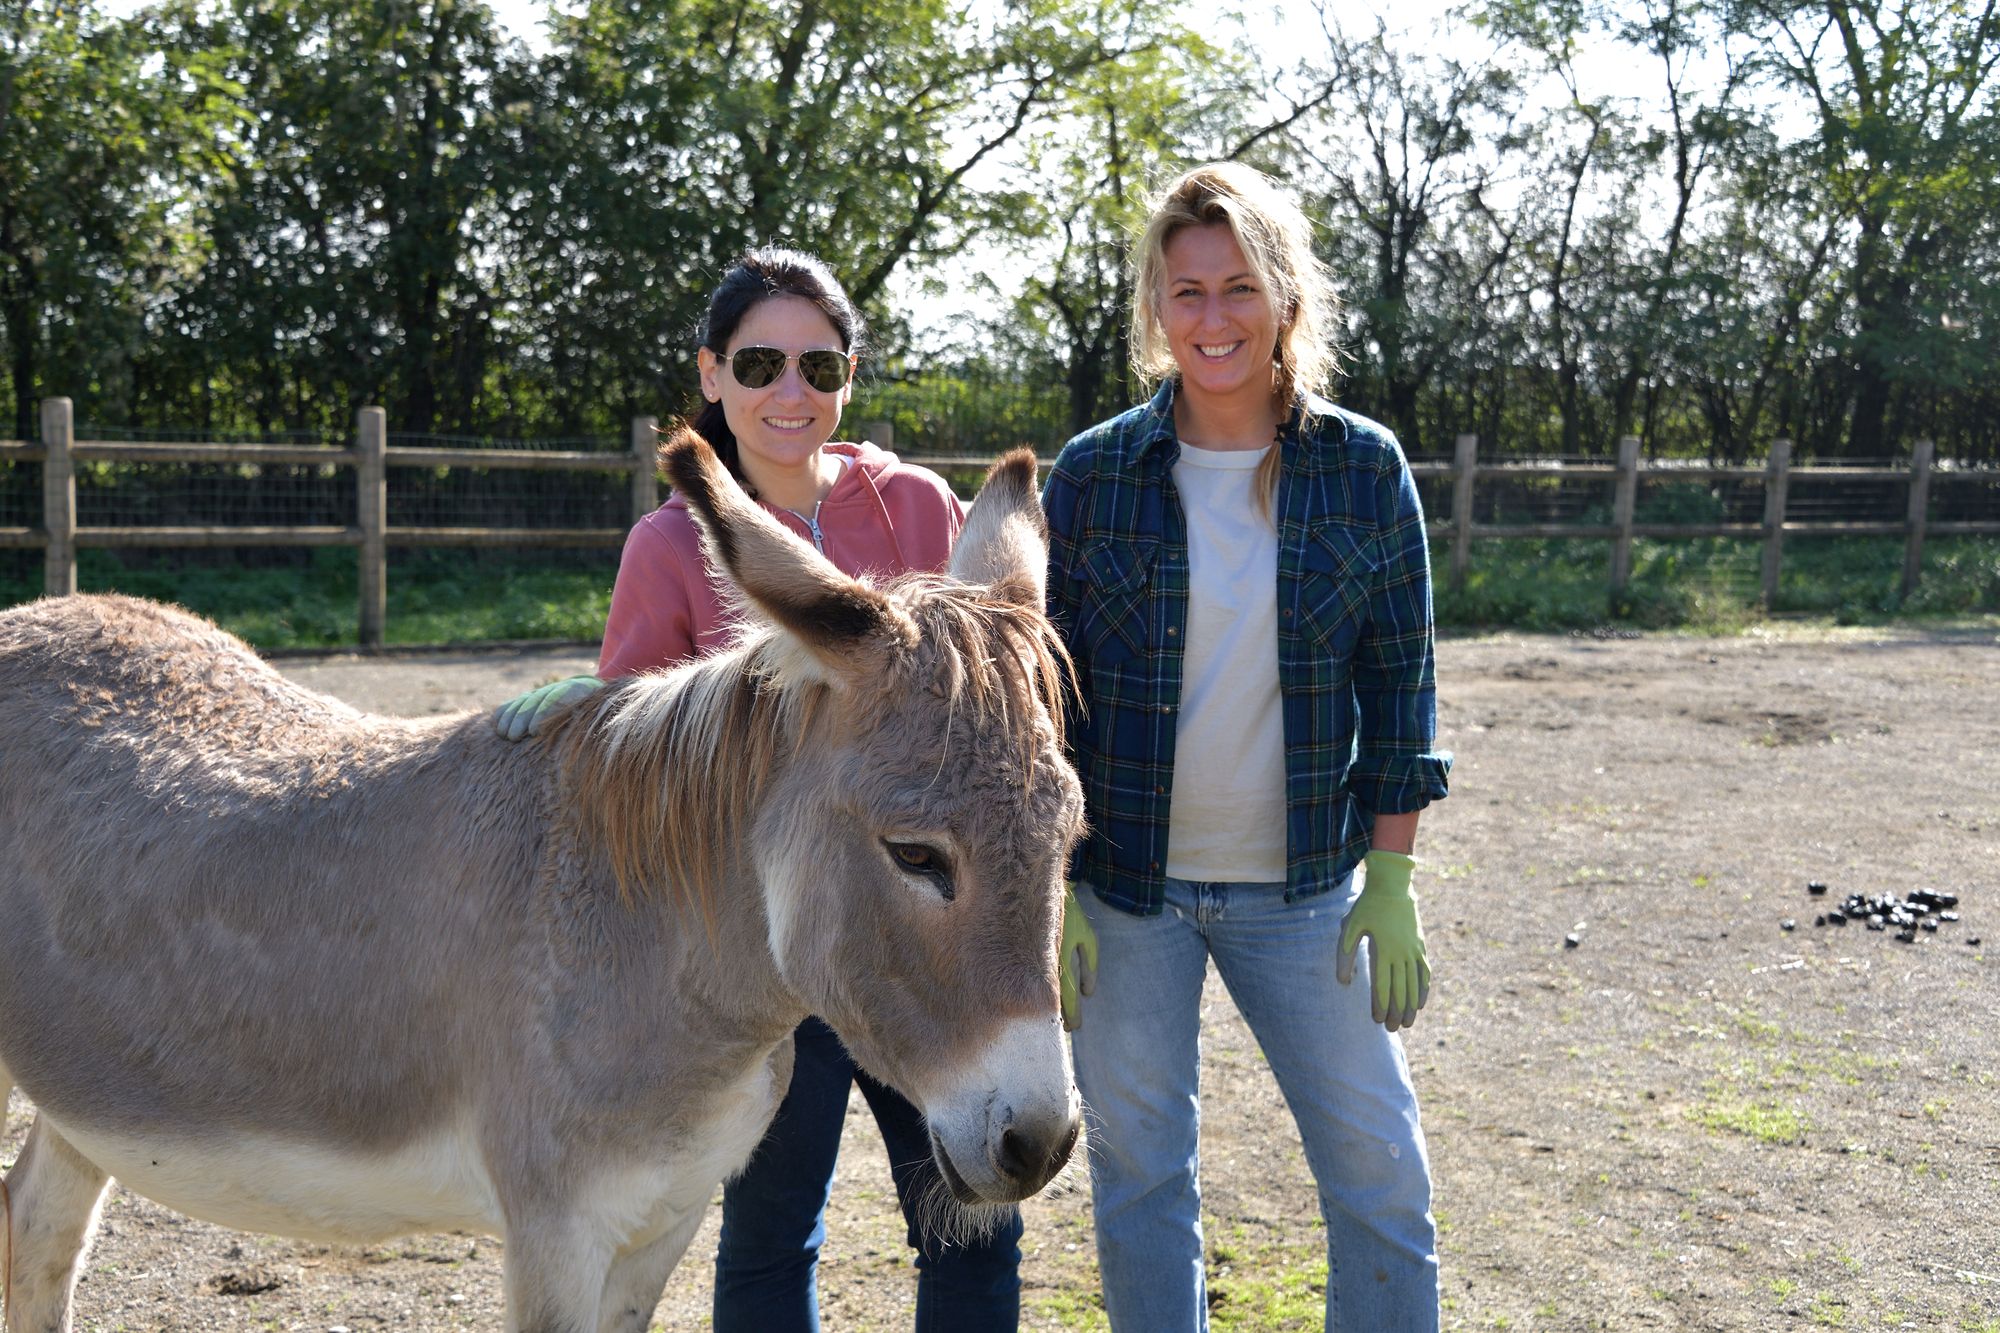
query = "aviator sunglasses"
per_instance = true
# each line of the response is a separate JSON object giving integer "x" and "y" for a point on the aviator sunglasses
{"x": 822, "y": 368}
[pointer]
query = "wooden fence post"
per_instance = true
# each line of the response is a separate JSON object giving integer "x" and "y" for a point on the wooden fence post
{"x": 1774, "y": 517}
{"x": 882, "y": 434}
{"x": 1465, "y": 459}
{"x": 371, "y": 488}
{"x": 1920, "y": 503}
{"x": 1624, "y": 502}
{"x": 58, "y": 497}
{"x": 645, "y": 466}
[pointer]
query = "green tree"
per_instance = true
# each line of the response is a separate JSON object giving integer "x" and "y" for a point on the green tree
{"x": 675, "y": 137}
{"x": 1121, "y": 127}
{"x": 97, "y": 135}
{"x": 1906, "y": 137}
{"x": 352, "y": 231}
{"x": 1403, "y": 189}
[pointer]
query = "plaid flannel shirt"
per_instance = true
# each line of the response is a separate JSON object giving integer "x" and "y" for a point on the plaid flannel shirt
{"x": 1356, "y": 672}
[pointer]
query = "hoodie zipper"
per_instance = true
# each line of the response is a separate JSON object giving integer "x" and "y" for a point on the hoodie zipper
{"x": 812, "y": 525}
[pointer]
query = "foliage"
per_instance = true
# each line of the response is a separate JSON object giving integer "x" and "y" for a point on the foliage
{"x": 971, "y": 409}
{"x": 1772, "y": 218}
{"x": 99, "y": 141}
{"x": 1121, "y": 129}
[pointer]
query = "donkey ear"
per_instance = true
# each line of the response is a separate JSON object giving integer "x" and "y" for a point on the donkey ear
{"x": 1006, "y": 539}
{"x": 833, "y": 615}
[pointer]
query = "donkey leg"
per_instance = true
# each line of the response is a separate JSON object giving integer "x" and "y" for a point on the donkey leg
{"x": 52, "y": 1192}
{"x": 555, "y": 1276}
{"x": 632, "y": 1291}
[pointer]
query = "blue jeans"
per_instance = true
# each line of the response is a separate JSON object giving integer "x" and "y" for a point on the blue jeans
{"x": 1138, "y": 1061}
{"x": 774, "y": 1214}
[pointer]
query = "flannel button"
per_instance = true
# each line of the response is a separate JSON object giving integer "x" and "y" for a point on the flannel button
{"x": 1159, "y": 791}
{"x": 1171, "y": 631}
{"x": 1166, "y": 708}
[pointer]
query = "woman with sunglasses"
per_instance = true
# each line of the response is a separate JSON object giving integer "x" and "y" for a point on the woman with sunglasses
{"x": 777, "y": 352}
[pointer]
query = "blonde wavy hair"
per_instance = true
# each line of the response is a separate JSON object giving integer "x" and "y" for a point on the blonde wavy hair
{"x": 1276, "y": 239}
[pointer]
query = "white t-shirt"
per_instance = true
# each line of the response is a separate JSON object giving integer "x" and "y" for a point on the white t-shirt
{"x": 1227, "y": 817}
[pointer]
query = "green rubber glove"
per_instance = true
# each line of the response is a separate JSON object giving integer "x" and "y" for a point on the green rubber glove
{"x": 1386, "y": 913}
{"x": 1079, "y": 960}
{"x": 522, "y": 717}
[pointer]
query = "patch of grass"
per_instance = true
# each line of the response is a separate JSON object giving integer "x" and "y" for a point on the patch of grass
{"x": 1757, "y": 1029}
{"x": 312, "y": 600}
{"x": 1766, "y": 1122}
{"x": 1712, "y": 585}
{"x": 288, "y": 598}
{"x": 1268, "y": 1287}
{"x": 1082, "y": 1311}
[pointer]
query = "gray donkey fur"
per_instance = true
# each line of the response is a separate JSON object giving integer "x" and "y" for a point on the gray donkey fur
{"x": 298, "y": 970}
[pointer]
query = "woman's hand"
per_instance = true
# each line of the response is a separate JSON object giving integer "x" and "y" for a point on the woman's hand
{"x": 1386, "y": 913}
{"x": 521, "y": 717}
{"x": 1079, "y": 960}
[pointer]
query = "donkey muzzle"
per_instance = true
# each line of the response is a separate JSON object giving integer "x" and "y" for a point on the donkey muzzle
{"x": 1005, "y": 1126}
{"x": 1026, "y": 1158}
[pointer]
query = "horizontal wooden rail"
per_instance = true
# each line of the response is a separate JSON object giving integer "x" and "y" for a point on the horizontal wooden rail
{"x": 544, "y": 538}
{"x": 374, "y": 461}
{"x": 1044, "y": 462}
{"x": 217, "y": 534}
{"x": 258, "y": 455}
{"x": 542, "y": 460}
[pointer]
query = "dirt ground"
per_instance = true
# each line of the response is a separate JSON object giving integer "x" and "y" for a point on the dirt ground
{"x": 1693, "y": 1119}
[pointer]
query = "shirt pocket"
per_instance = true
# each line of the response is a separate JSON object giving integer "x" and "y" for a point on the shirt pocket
{"x": 1337, "y": 571}
{"x": 1114, "y": 615}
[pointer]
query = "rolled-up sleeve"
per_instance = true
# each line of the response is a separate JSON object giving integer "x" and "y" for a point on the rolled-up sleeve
{"x": 1396, "y": 767}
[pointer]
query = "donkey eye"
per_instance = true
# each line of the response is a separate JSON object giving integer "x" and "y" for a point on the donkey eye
{"x": 918, "y": 859}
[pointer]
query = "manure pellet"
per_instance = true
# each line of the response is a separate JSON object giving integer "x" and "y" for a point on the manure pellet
{"x": 1923, "y": 910}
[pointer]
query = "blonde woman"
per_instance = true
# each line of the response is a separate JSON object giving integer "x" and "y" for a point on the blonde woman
{"x": 1240, "y": 571}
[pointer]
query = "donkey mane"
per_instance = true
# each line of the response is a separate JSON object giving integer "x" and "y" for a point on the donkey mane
{"x": 665, "y": 765}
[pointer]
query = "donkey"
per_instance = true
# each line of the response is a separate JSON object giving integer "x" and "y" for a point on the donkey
{"x": 297, "y": 970}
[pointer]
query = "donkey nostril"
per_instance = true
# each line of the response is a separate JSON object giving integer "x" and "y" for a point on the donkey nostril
{"x": 1033, "y": 1159}
{"x": 1016, "y": 1159}
{"x": 1067, "y": 1146}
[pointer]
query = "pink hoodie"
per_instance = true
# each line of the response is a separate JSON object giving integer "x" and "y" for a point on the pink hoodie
{"x": 882, "y": 517}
